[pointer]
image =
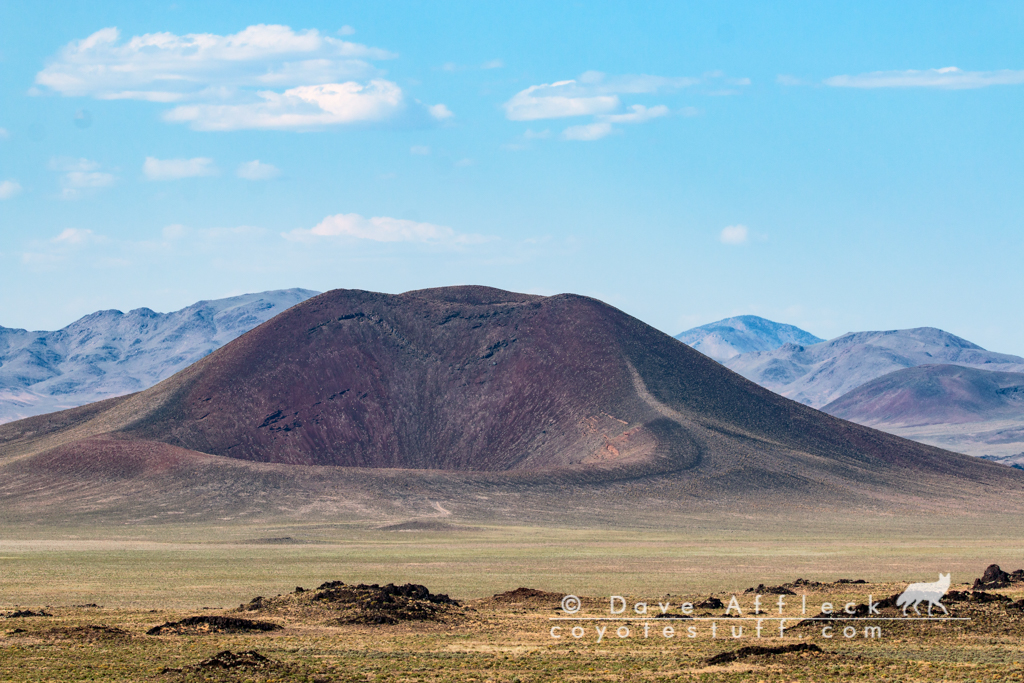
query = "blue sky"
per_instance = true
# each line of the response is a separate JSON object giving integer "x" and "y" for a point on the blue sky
{"x": 837, "y": 168}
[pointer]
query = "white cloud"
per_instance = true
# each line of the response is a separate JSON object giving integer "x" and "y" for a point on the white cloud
{"x": 78, "y": 175}
{"x": 440, "y": 112}
{"x": 949, "y": 78}
{"x": 105, "y": 67}
{"x": 9, "y": 188}
{"x": 382, "y": 229}
{"x": 232, "y": 81}
{"x": 589, "y": 131}
{"x": 305, "y": 107}
{"x": 84, "y": 179}
{"x": 493, "y": 64}
{"x": 557, "y": 100}
{"x": 257, "y": 170}
{"x": 175, "y": 169}
{"x": 346, "y": 30}
{"x": 734, "y": 234}
{"x": 4, "y": 134}
{"x": 594, "y": 94}
{"x": 638, "y": 114}
{"x": 420, "y": 150}
{"x": 462, "y": 163}
{"x": 531, "y": 134}
{"x": 74, "y": 237}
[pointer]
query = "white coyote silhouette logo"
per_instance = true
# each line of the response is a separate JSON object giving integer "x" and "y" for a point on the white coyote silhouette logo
{"x": 916, "y": 593}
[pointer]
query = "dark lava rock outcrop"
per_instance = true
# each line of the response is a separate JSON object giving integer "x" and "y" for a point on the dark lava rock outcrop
{"x": 211, "y": 624}
{"x": 344, "y": 603}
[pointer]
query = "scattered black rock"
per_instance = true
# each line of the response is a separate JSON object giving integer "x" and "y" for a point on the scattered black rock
{"x": 87, "y": 605}
{"x": 806, "y": 583}
{"x": 995, "y": 577}
{"x": 212, "y": 624}
{"x": 526, "y": 595}
{"x": 28, "y": 613}
{"x": 974, "y": 596}
{"x": 390, "y": 604}
{"x": 842, "y": 581}
{"x": 711, "y": 603}
{"x": 361, "y": 603}
{"x": 256, "y": 604}
{"x": 758, "y": 651}
{"x": 769, "y": 590}
{"x": 861, "y": 610}
{"x": 1019, "y": 605}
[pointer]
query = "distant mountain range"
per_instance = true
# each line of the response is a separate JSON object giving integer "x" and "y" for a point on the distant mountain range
{"x": 731, "y": 337}
{"x": 110, "y": 353}
{"x": 899, "y": 381}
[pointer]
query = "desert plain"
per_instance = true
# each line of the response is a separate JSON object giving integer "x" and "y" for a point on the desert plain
{"x": 103, "y": 590}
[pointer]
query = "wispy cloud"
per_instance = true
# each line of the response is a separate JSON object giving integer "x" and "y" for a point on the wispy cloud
{"x": 264, "y": 77}
{"x": 9, "y": 189}
{"x": 257, "y": 170}
{"x": 175, "y": 169}
{"x": 587, "y": 132}
{"x": 303, "y": 108}
{"x": 593, "y": 94}
{"x": 419, "y": 150}
{"x": 493, "y": 64}
{"x": 948, "y": 78}
{"x": 638, "y": 113}
{"x": 79, "y": 175}
{"x": 382, "y": 229}
{"x": 4, "y": 134}
{"x": 74, "y": 236}
{"x": 734, "y": 234}
{"x": 440, "y": 112}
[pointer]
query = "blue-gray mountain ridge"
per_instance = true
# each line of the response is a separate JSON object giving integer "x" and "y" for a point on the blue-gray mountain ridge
{"x": 743, "y": 334}
{"x": 828, "y": 375}
{"x": 110, "y": 353}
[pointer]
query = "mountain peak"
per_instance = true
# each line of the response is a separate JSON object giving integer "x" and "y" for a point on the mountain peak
{"x": 731, "y": 337}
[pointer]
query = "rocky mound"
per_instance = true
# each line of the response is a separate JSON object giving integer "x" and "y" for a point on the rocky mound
{"x": 342, "y": 603}
{"x": 759, "y": 651}
{"x": 995, "y": 577}
{"x": 19, "y": 614}
{"x": 769, "y": 590}
{"x": 211, "y": 624}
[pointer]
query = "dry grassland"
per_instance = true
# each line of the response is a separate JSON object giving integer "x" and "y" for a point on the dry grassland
{"x": 142, "y": 578}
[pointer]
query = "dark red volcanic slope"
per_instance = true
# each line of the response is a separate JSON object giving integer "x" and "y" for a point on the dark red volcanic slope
{"x": 933, "y": 394}
{"x": 462, "y": 380}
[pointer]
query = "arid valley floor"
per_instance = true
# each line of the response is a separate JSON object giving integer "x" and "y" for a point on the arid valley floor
{"x": 103, "y": 591}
